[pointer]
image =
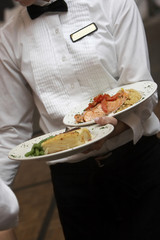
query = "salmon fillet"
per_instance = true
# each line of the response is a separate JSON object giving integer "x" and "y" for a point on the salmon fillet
{"x": 105, "y": 105}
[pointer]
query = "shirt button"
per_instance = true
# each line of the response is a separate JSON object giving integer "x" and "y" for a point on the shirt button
{"x": 63, "y": 59}
{"x": 72, "y": 85}
{"x": 56, "y": 30}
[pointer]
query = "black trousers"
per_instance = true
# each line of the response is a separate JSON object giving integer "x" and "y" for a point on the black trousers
{"x": 120, "y": 200}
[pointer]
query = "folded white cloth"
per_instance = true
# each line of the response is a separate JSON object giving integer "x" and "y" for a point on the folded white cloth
{"x": 9, "y": 207}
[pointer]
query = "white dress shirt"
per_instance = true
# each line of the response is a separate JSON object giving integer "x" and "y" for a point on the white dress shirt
{"x": 40, "y": 64}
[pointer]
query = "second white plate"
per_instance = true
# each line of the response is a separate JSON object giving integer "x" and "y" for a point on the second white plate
{"x": 146, "y": 88}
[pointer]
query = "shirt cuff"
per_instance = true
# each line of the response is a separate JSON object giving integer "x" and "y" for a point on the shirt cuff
{"x": 9, "y": 207}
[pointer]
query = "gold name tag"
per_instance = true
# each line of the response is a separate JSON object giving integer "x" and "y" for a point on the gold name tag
{"x": 83, "y": 32}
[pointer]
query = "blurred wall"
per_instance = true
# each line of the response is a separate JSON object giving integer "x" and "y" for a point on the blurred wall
{"x": 152, "y": 28}
{"x": 4, "y": 5}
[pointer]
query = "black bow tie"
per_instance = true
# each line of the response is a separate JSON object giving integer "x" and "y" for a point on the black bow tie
{"x": 35, "y": 11}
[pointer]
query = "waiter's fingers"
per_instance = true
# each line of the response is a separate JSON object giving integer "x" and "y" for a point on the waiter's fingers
{"x": 106, "y": 120}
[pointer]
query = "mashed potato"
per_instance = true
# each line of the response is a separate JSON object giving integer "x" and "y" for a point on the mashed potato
{"x": 133, "y": 97}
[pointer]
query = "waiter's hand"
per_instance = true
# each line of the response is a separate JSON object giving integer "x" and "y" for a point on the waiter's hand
{"x": 119, "y": 127}
{"x": 106, "y": 120}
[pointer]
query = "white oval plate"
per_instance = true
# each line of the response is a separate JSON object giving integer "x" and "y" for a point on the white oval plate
{"x": 146, "y": 88}
{"x": 98, "y": 132}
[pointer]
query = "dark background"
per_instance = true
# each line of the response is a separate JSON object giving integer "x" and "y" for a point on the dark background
{"x": 3, "y": 5}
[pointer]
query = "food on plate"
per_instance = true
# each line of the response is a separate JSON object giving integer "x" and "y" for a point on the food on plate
{"x": 66, "y": 140}
{"x": 60, "y": 142}
{"x": 104, "y": 104}
{"x": 133, "y": 97}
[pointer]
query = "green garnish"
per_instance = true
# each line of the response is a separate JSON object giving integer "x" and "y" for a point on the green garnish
{"x": 37, "y": 149}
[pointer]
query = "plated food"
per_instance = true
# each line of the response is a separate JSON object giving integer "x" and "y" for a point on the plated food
{"x": 115, "y": 101}
{"x": 82, "y": 137}
{"x": 60, "y": 142}
{"x": 111, "y": 103}
{"x": 105, "y": 104}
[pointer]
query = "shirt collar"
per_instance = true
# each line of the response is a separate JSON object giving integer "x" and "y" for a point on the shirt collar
{"x": 43, "y": 3}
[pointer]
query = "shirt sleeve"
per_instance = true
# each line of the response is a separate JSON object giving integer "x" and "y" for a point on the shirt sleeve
{"x": 9, "y": 207}
{"x": 16, "y": 107}
{"x": 133, "y": 60}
